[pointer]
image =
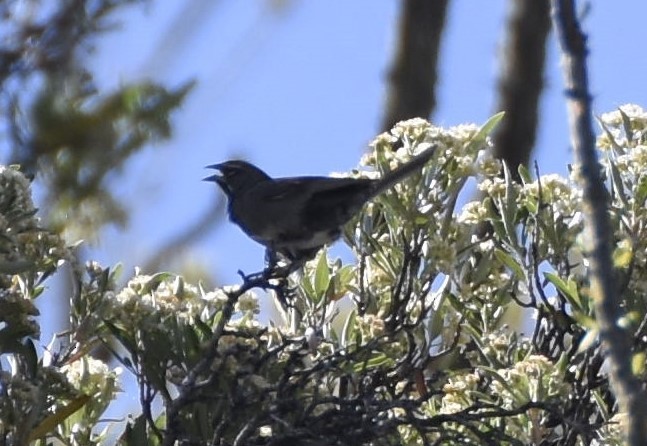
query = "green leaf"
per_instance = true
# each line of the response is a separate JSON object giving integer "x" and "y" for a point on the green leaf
{"x": 584, "y": 320}
{"x": 37, "y": 291}
{"x": 626, "y": 125}
{"x": 307, "y": 287}
{"x": 116, "y": 271}
{"x": 589, "y": 339}
{"x": 178, "y": 287}
{"x": 345, "y": 275}
{"x": 421, "y": 220}
{"x": 191, "y": 343}
{"x": 616, "y": 180}
{"x": 339, "y": 282}
{"x": 510, "y": 262}
{"x": 348, "y": 329}
{"x": 216, "y": 319}
{"x": 30, "y": 357}
{"x": 614, "y": 143}
{"x": 50, "y": 422}
{"x": 601, "y": 403}
{"x": 322, "y": 276}
{"x": 491, "y": 123}
{"x": 436, "y": 322}
{"x": 510, "y": 208}
{"x": 135, "y": 433}
{"x": 623, "y": 254}
{"x": 123, "y": 337}
{"x": 155, "y": 281}
{"x": 638, "y": 363}
{"x": 524, "y": 174}
{"x": 484, "y": 131}
{"x": 205, "y": 330}
{"x": 567, "y": 288}
{"x": 532, "y": 205}
{"x": 378, "y": 360}
{"x": 482, "y": 269}
{"x": 641, "y": 190}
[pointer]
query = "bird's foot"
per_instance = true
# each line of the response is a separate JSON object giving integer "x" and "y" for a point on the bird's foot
{"x": 276, "y": 280}
{"x": 253, "y": 277}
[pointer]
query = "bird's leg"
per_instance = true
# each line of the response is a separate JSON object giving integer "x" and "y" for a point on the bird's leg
{"x": 274, "y": 270}
{"x": 271, "y": 271}
{"x": 294, "y": 265}
{"x": 279, "y": 285}
{"x": 279, "y": 273}
{"x": 284, "y": 294}
{"x": 253, "y": 276}
{"x": 272, "y": 261}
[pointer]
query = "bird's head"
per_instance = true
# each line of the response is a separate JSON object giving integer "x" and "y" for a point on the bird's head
{"x": 236, "y": 176}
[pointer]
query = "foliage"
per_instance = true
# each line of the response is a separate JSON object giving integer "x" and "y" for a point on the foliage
{"x": 55, "y": 121}
{"x": 457, "y": 324}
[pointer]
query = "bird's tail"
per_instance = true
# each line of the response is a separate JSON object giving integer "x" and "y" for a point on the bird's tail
{"x": 390, "y": 179}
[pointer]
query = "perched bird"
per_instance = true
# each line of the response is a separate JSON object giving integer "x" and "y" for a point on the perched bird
{"x": 295, "y": 217}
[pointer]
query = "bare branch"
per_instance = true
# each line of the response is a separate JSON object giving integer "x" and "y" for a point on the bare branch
{"x": 597, "y": 229}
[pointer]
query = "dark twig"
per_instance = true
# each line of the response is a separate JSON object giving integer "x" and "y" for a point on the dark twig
{"x": 597, "y": 230}
{"x": 192, "y": 382}
{"x": 146, "y": 398}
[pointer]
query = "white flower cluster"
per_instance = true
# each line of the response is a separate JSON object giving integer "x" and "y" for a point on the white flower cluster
{"x": 94, "y": 380}
{"x": 418, "y": 135}
{"x": 533, "y": 379}
{"x": 457, "y": 392}
{"x": 153, "y": 298}
{"x": 616, "y": 124}
{"x": 90, "y": 375}
{"x": 15, "y": 193}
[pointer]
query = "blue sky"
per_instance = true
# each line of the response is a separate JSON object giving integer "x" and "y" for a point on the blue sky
{"x": 299, "y": 89}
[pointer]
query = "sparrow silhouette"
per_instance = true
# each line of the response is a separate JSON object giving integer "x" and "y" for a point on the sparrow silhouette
{"x": 295, "y": 217}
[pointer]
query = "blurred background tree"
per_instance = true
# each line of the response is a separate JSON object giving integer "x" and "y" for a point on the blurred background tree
{"x": 59, "y": 125}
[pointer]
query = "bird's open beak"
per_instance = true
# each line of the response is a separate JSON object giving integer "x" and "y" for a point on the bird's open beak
{"x": 217, "y": 178}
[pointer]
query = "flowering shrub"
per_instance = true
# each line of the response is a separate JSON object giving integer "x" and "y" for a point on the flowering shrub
{"x": 460, "y": 322}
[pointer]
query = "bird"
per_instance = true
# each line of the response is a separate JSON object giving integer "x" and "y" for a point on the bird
{"x": 294, "y": 217}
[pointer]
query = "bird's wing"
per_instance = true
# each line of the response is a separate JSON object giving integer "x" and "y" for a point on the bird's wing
{"x": 293, "y": 190}
{"x": 297, "y": 208}
{"x": 333, "y": 203}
